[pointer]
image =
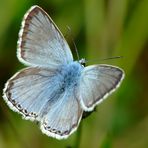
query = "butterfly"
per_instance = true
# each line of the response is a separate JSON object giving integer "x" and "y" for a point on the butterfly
{"x": 55, "y": 90}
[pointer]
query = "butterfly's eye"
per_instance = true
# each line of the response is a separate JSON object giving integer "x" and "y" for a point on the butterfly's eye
{"x": 82, "y": 62}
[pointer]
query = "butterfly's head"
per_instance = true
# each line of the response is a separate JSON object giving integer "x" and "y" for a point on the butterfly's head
{"x": 82, "y": 62}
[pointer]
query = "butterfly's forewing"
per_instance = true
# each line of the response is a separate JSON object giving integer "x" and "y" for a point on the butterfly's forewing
{"x": 40, "y": 41}
{"x": 37, "y": 94}
{"x": 63, "y": 118}
{"x": 29, "y": 90}
{"x": 97, "y": 82}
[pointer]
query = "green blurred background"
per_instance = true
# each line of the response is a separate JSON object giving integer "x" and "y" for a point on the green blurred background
{"x": 101, "y": 29}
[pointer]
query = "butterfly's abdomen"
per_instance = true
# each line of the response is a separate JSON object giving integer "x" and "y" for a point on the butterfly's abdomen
{"x": 70, "y": 75}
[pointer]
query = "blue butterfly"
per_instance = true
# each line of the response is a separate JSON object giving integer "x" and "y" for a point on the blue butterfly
{"x": 54, "y": 89}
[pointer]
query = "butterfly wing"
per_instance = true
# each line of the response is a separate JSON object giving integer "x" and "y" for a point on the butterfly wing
{"x": 40, "y": 41}
{"x": 97, "y": 82}
{"x": 29, "y": 90}
{"x": 36, "y": 94}
{"x": 63, "y": 118}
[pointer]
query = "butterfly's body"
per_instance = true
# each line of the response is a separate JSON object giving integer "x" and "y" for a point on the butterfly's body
{"x": 66, "y": 79}
{"x": 55, "y": 90}
{"x": 70, "y": 75}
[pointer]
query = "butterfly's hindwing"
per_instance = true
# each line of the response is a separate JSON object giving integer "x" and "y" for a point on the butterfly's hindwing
{"x": 40, "y": 94}
{"x": 97, "y": 82}
{"x": 63, "y": 118}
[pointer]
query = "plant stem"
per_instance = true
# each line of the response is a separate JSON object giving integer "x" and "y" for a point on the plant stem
{"x": 78, "y": 137}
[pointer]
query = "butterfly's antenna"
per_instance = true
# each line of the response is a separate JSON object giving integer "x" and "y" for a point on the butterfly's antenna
{"x": 111, "y": 58}
{"x": 69, "y": 29}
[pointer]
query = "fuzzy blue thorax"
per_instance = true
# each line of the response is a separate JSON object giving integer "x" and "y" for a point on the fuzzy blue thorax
{"x": 70, "y": 74}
